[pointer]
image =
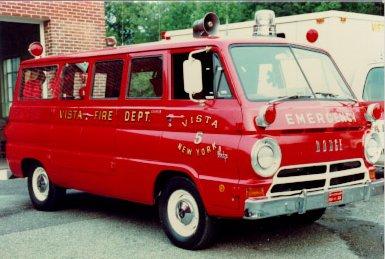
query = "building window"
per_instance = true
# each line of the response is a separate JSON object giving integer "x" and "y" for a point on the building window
{"x": 107, "y": 79}
{"x": 10, "y": 67}
{"x": 146, "y": 78}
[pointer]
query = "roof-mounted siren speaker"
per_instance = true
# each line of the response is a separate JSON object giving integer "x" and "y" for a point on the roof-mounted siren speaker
{"x": 207, "y": 26}
{"x": 264, "y": 23}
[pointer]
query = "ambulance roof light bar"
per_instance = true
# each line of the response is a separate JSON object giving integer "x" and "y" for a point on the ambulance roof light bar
{"x": 264, "y": 23}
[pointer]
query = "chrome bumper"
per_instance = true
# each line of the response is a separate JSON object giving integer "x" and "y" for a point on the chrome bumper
{"x": 265, "y": 208}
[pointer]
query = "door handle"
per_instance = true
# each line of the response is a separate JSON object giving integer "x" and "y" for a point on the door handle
{"x": 172, "y": 116}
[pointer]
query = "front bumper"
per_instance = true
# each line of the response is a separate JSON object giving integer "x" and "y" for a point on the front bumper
{"x": 300, "y": 203}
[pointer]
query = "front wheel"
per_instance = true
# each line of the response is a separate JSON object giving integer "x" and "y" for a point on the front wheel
{"x": 183, "y": 216}
{"x": 43, "y": 193}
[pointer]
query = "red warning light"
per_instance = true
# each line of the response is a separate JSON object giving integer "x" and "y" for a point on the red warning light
{"x": 35, "y": 49}
{"x": 312, "y": 35}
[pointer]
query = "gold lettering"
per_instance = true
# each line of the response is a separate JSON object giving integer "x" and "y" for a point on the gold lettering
{"x": 208, "y": 149}
{"x": 80, "y": 115}
{"x": 215, "y": 124}
{"x": 207, "y": 119}
{"x": 127, "y": 116}
{"x": 189, "y": 151}
{"x": 61, "y": 114}
{"x": 199, "y": 118}
{"x": 140, "y": 115}
{"x": 147, "y": 113}
{"x": 179, "y": 146}
{"x": 110, "y": 115}
{"x": 133, "y": 115}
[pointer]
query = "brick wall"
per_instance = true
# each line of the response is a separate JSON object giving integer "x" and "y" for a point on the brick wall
{"x": 69, "y": 26}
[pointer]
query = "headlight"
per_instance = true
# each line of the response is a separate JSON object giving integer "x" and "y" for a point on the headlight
{"x": 373, "y": 147}
{"x": 266, "y": 157}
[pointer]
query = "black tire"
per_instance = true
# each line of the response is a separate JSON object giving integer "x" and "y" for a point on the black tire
{"x": 307, "y": 218}
{"x": 44, "y": 200}
{"x": 203, "y": 232}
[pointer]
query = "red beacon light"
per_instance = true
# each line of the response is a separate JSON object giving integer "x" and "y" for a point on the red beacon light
{"x": 312, "y": 35}
{"x": 35, "y": 49}
{"x": 373, "y": 112}
{"x": 266, "y": 116}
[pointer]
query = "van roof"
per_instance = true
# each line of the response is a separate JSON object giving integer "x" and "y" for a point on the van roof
{"x": 162, "y": 45}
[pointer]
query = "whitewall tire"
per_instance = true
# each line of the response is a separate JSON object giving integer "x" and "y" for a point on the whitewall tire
{"x": 183, "y": 216}
{"x": 43, "y": 193}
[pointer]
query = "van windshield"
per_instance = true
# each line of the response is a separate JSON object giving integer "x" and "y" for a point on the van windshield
{"x": 271, "y": 72}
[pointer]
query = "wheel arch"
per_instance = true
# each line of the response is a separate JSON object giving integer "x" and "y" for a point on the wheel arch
{"x": 164, "y": 176}
{"x": 27, "y": 164}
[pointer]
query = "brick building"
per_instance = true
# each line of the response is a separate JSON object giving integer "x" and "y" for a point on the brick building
{"x": 61, "y": 26}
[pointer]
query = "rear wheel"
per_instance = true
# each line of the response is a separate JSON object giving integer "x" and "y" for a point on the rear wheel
{"x": 43, "y": 193}
{"x": 183, "y": 216}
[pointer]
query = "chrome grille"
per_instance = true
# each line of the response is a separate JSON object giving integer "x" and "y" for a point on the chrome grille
{"x": 322, "y": 176}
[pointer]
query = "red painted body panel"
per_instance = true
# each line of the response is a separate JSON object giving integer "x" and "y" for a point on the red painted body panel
{"x": 123, "y": 155}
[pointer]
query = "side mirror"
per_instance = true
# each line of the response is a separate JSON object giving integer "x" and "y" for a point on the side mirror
{"x": 192, "y": 76}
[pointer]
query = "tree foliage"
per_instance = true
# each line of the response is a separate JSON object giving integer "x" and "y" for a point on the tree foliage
{"x": 137, "y": 22}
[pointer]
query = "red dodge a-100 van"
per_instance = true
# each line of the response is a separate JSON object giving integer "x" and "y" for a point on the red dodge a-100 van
{"x": 208, "y": 128}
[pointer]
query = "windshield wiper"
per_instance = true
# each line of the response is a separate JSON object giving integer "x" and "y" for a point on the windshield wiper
{"x": 326, "y": 94}
{"x": 290, "y": 97}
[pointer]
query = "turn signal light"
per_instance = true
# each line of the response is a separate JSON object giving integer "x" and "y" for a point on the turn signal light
{"x": 258, "y": 191}
{"x": 372, "y": 173}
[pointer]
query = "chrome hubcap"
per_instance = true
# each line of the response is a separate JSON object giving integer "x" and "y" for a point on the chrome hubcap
{"x": 40, "y": 184}
{"x": 183, "y": 213}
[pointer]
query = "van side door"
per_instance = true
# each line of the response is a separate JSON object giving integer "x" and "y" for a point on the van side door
{"x": 140, "y": 126}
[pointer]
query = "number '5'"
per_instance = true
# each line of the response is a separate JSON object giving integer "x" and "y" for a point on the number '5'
{"x": 198, "y": 137}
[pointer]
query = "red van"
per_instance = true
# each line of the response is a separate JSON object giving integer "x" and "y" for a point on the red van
{"x": 207, "y": 128}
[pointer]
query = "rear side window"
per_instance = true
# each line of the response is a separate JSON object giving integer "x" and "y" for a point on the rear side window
{"x": 374, "y": 85}
{"x": 107, "y": 79}
{"x": 146, "y": 79}
{"x": 38, "y": 83}
{"x": 73, "y": 81}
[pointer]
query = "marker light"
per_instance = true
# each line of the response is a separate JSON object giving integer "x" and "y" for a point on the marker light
{"x": 111, "y": 41}
{"x": 266, "y": 116}
{"x": 266, "y": 157}
{"x": 373, "y": 112}
{"x": 373, "y": 147}
{"x": 312, "y": 35}
{"x": 164, "y": 35}
{"x": 35, "y": 49}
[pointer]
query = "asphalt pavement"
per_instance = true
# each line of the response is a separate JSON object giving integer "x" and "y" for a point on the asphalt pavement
{"x": 96, "y": 227}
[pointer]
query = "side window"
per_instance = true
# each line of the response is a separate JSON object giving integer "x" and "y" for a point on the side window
{"x": 107, "y": 79}
{"x": 146, "y": 79}
{"x": 374, "y": 85}
{"x": 73, "y": 81}
{"x": 214, "y": 80}
{"x": 38, "y": 83}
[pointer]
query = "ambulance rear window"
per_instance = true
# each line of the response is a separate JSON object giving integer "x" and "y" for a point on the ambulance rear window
{"x": 38, "y": 83}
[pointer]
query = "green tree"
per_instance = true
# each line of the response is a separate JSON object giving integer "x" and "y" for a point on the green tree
{"x": 141, "y": 22}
